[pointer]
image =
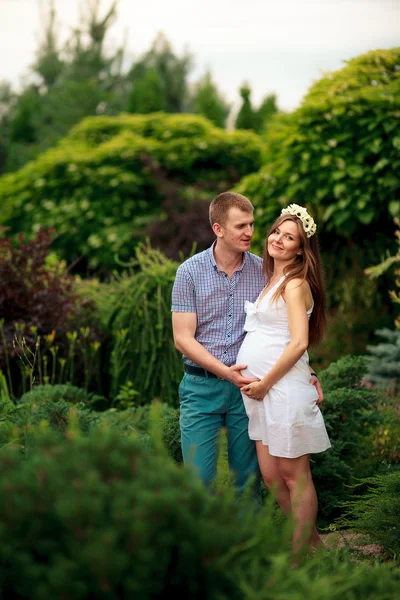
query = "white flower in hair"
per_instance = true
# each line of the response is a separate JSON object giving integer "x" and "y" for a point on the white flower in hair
{"x": 307, "y": 221}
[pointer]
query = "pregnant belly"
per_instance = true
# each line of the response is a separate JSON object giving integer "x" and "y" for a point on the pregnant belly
{"x": 259, "y": 354}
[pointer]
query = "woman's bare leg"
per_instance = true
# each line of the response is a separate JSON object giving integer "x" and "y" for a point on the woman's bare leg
{"x": 273, "y": 479}
{"x": 296, "y": 474}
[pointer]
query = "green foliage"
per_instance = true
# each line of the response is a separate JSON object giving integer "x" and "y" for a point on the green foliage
{"x": 266, "y": 110}
{"x": 246, "y": 117}
{"x": 350, "y": 411}
{"x": 208, "y": 101}
{"x": 156, "y": 521}
{"x": 52, "y": 393}
{"x": 96, "y": 187}
{"x": 48, "y": 64}
{"x": 100, "y": 516}
{"x": 339, "y": 150}
{"x": 135, "y": 308}
{"x": 377, "y": 512}
{"x": 345, "y": 373}
{"x": 70, "y": 83}
{"x": 171, "y": 71}
{"x": 384, "y": 363}
{"x": 384, "y": 440}
{"x": 383, "y": 367}
{"x": 147, "y": 94}
{"x": 7, "y": 102}
{"x": 257, "y": 119}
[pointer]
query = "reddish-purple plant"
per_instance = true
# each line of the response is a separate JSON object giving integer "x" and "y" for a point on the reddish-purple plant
{"x": 36, "y": 298}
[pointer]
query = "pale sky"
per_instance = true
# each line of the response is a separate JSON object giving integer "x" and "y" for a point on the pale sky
{"x": 278, "y": 46}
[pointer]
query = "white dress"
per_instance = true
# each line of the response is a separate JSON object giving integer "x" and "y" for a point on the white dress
{"x": 288, "y": 419}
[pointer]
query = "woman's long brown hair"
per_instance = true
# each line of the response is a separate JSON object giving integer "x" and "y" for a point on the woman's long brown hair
{"x": 308, "y": 266}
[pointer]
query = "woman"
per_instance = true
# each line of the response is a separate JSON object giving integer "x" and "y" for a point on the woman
{"x": 284, "y": 416}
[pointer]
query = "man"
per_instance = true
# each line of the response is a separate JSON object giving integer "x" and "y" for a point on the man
{"x": 208, "y": 315}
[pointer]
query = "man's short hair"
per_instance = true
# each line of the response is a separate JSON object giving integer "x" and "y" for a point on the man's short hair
{"x": 222, "y": 203}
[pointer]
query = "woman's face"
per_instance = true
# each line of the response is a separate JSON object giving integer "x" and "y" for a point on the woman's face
{"x": 284, "y": 242}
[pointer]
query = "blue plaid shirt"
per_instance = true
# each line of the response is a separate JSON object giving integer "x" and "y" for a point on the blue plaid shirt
{"x": 200, "y": 287}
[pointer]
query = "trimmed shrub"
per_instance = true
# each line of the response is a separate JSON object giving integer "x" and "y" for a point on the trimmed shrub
{"x": 96, "y": 186}
{"x": 52, "y": 393}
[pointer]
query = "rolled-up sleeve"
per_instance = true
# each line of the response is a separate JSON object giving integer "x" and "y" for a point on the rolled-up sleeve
{"x": 183, "y": 292}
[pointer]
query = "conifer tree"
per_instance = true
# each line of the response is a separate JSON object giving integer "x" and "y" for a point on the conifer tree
{"x": 147, "y": 93}
{"x": 265, "y": 111}
{"x": 172, "y": 71}
{"x": 209, "y": 102}
{"x": 246, "y": 118}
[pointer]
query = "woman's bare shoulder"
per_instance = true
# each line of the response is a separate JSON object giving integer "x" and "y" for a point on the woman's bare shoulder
{"x": 297, "y": 283}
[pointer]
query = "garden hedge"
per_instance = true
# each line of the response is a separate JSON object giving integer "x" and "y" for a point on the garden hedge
{"x": 96, "y": 187}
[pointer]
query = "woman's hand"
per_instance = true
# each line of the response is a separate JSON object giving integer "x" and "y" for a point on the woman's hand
{"x": 315, "y": 381}
{"x": 255, "y": 390}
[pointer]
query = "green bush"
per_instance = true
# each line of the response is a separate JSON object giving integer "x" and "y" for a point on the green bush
{"x": 139, "y": 420}
{"x": 19, "y": 424}
{"x": 52, "y": 404}
{"x": 377, "y": 512}
{"x": 53, "y": 393}
{"x": 351, "y": 411}
{"x": 135, "y": 308}
{"x": 96, "y": 186}
{"x": 98, "y": 516}
{"x": 338, "y": 152}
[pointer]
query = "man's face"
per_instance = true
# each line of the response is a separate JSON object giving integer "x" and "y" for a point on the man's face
{"x": 237, "y": 231}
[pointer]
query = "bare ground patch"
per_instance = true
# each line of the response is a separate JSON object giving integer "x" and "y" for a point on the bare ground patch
{"x": 357, "y": 543}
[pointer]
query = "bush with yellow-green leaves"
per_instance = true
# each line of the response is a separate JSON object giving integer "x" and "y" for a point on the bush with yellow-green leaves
{"x": 97, "y": 186}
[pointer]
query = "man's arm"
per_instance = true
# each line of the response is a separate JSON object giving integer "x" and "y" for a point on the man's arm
{"x": 184, "y": 328}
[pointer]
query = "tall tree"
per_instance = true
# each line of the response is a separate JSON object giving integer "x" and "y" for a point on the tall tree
{"x": 265, "y": 111}
{"x": 246, "y": 118}
{"x": 172, "y": 70}
{"x": 75, "y": 81}
{"x": 208, "y": 101}
{"x": 7, "y": 102}
{"x": 148, "y": 94}
{"x": 48, "y": 63}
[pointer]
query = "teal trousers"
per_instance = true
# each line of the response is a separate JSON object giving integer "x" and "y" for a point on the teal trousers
{"x": 206, "y": 405}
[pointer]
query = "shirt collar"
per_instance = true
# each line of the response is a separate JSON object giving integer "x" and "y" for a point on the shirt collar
{"x": 214, "y": 264}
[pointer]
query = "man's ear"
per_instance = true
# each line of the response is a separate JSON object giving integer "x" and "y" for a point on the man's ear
{"x": 217, "y": 229}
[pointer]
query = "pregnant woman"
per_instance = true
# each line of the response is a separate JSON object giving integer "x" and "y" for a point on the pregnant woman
{"x": 284, "y": 417}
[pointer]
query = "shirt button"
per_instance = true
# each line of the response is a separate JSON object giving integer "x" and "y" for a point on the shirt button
{"x": 229, "y": 315}
{"x": 225, "y": 352}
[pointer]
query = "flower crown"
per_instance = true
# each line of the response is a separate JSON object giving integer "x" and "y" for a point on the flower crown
{"x": 308, "y": 222}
